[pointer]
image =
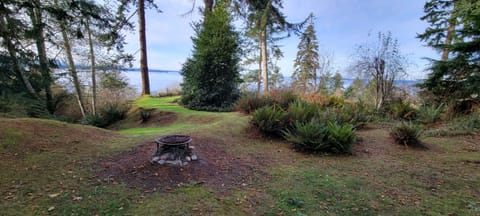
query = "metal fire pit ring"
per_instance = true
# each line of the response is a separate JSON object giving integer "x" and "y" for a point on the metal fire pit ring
{"x": 174, "y": 149}
{"x": 173, "y": 140}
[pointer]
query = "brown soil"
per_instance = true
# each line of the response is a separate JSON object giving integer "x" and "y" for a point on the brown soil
{"x": 215, "y": 168}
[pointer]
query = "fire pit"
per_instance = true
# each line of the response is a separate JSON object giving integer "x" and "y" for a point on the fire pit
{"x": 174, "y": 150}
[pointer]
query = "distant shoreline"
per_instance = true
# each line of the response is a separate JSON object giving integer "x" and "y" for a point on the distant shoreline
{"x": 167, "y": 80}
{"x": 149, "y": 70}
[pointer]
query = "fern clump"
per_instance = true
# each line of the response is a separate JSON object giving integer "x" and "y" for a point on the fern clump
{"x": 146, "y": 114}
{"x": 408, "y": 134}
{"x": 269, "y": 119}
{"x": 340, "y": 137}
{"x": 322, "y": 137}
{"x": 429, "y": 114}
{"x": 309, "y": 136}
{"x": 300, "y": 111}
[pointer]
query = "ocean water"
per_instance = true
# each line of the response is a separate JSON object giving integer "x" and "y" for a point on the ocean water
{"x": 162, "y": 81}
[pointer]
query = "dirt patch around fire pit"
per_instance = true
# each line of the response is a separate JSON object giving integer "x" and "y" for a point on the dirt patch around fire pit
{"x": 215, "y": 169}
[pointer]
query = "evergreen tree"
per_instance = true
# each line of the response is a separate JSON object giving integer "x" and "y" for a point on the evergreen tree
{"x": 211, "y": 75}
{"x": 441, "y": 16}
{"x": 306, "y": 63}
{"x": 252, "y": 60}
{"x": 355, "y": 89}
{"x": 323, "y": 86}
{"x": 336, "y": 82}
{"x": 264, "y": 18}
{"x": 455, "y": 29}
{"x": 12, "y": 31}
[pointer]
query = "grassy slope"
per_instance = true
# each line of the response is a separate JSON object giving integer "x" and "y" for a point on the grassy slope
{"x": 48, "y": 165}
{"x": 388, "y": 180}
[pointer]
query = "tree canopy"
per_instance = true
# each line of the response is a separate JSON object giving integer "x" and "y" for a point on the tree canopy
{"x": 454, "y": 28}
{"x": 211, "y": 74}
{"x": 306, "y": 63}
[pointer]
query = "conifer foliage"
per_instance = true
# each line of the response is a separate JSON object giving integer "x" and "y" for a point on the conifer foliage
{"x": 306, "y": 63}
{"x": 454, "y": 29}
{"x": 211, "y": 74}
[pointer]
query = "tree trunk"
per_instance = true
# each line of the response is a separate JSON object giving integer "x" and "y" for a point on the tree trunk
{"x": 93, "y": 69}
{"x": 143, "y": 48}
{"x": 382, "y": 94}
{"x": 264, "y": 61}
{"x": 259, "y": 78}
{"x": 39, "y": 37}
{"x": 209, "y": 5}
{"x": 450, "y": 33}
{"x": 71, "y": 65}
{"x": 13, "y": 55}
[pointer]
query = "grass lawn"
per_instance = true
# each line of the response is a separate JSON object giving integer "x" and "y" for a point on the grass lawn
{"x": 52, "y": 168}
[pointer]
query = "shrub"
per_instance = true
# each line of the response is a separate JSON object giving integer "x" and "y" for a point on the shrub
{"x": 283, "y": 97}
{"x": 319, "y": 136}
{"x": 250, "y": 102}
{"x": 407, "y": 133}
{"x": 328, "y": 115}
{"x": 112, "y": 113}
{"x": 360, "y": 113}
{"x": 308, "y": 136}
{"x": 169, "y": 92}
{"x": 36, "y": 109}
{"x": 465, "y": 125}
{"x": 315, "y": 98}
{"x": 356, "y": 114}
{"x": 471, "y": 122}
{"x": 107, "y": 115}
{"x": 340, "y": 138}
{"x": 269, "y": 119}
{"x": 5, "y": 105}
{"x": 335, "y": 101}
{"x": 145, "y": 114}
{"x": 429, "y": 114}
{"x": 300, "y": 111}
{"x": 402, "y": 110}
{"x": 14, "y": 106}
{"x": 94, "y": 120}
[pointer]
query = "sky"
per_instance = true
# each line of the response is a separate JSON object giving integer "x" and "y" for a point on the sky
{"x": 341, "y": 25}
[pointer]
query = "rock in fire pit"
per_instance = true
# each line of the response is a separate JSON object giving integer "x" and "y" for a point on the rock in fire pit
{"x": 174, "y": 150}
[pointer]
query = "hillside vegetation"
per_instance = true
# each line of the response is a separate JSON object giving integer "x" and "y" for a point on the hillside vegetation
{"x": 50, "y": 167}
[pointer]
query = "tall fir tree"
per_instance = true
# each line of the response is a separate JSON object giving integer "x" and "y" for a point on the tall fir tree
{"x": 211, "y": 74}
{"x": 454, "y": 29}
{"x": 307, "y": 61}
{"x": 265, "y": 19}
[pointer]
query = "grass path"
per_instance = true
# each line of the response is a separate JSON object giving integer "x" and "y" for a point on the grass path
{"x": 48, "y": 168}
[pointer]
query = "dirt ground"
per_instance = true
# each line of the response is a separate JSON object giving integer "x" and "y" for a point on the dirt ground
{"x": 215, "y": 168}
{"x": 222, "y": 171}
